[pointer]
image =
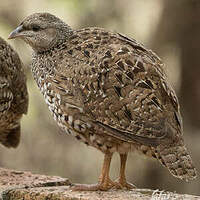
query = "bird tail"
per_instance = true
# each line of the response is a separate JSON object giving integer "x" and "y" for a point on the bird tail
{"x": 177, "y": 160}
{"x": 11, "y": 138}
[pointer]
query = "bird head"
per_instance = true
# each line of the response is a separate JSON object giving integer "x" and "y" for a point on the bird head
{"x": 42, "y": 31}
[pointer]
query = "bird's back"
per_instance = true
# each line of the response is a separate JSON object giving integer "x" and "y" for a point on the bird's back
{"x": 119, "y": 81}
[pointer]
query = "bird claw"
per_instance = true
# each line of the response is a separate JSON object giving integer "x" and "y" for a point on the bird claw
{"x": 123, "y": 184}
{"x": 104, "y": 186}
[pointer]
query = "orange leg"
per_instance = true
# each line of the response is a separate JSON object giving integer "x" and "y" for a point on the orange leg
{"x": 121, "y": 183}
{"x": 104, "y": 180}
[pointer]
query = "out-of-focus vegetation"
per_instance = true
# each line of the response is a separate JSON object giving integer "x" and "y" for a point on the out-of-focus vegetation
{"x": 170, "y": 28}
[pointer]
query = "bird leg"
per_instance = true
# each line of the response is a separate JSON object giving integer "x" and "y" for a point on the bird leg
{"x": 105, "y": 183}
{"x": 121, "y": 183}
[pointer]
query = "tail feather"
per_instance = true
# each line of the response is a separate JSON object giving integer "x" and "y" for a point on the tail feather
{"x": 177, "y": 160}
{"x": 11, "y": 138}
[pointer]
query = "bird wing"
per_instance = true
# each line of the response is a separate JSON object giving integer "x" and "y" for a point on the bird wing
{"x": 121, "y": 86}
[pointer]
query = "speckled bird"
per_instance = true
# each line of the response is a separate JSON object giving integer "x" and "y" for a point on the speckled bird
{"x": 108, "y": 91}
{"x": 13, "y": 95}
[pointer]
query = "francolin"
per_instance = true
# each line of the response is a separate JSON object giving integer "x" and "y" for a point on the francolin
{"x": 108, "y": 91}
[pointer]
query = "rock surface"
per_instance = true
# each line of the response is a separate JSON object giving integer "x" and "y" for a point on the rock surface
{"x": 18, "y": 185}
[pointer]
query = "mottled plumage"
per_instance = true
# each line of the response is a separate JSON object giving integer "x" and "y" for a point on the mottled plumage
{"x": 13, "y": 95}
{"x": 109, "y": 92}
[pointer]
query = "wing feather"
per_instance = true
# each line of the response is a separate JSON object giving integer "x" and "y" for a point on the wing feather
{"x": 122, "y": 87}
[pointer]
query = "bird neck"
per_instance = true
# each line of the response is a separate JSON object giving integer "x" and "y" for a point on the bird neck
{"x": 62, "y": 35}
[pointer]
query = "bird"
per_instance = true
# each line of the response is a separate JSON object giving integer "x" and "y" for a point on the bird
{"x": 108, "y": 91}
{"x": 13, "y": 95}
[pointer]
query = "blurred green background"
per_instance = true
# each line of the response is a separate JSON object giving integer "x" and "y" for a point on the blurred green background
{"x": 169, "y": 28}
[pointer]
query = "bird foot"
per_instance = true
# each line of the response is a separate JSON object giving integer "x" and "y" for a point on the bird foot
{"x": 123, "y": 184}
{"x": 102, "y": 186}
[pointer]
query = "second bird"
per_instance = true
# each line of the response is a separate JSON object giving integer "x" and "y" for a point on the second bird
{"x": 108, "y": 91}
{"x": 13, "y": 95}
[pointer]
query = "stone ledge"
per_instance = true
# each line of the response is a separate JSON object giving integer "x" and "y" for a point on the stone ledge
{"x": 16, "y": 185}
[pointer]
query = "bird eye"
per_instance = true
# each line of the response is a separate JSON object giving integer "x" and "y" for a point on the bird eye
{"x": 35, "y": 28}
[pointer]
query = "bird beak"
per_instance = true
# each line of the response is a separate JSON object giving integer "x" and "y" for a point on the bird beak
{"x": 16, "y": 33}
